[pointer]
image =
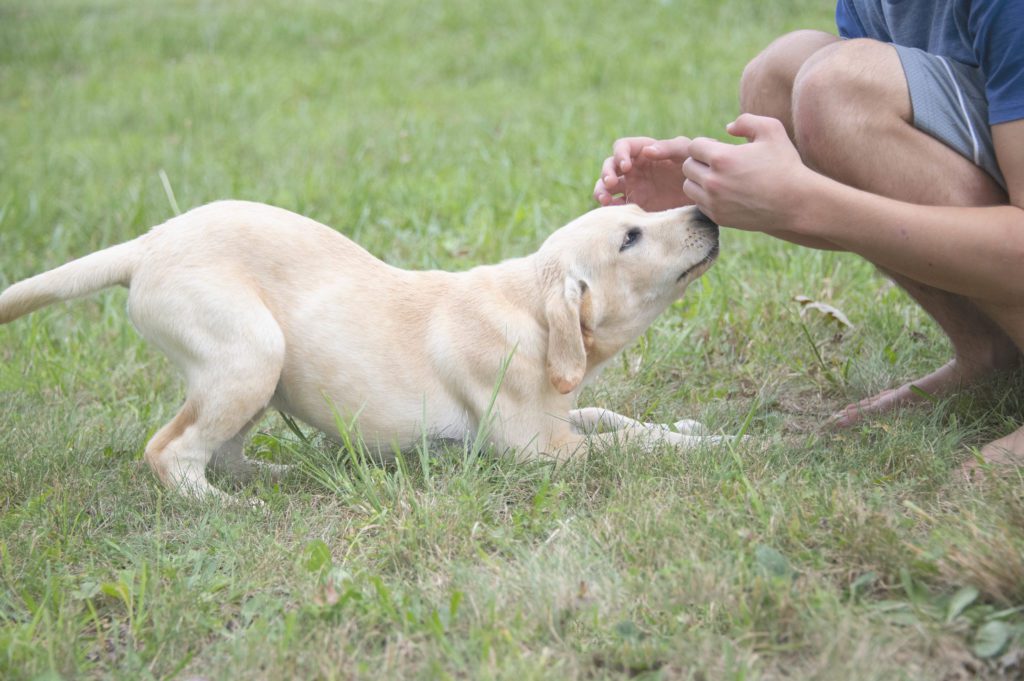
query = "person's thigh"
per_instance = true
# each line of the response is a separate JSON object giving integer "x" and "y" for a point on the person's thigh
{"x": 948, "y": 103}
{"x": 854, "y": 120}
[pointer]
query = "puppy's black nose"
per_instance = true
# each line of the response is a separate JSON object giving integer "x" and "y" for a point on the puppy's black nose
{"x": 700, "y": 217}
{"x": 704, "y": 221}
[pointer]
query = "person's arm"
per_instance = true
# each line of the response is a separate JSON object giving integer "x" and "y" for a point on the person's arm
{"x": 764, "y": 186}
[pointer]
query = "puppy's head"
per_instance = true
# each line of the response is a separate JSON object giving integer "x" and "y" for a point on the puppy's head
{"x": 609, "y": 273}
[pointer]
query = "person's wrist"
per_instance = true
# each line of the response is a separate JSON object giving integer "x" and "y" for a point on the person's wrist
{"x": 808, "y": 215}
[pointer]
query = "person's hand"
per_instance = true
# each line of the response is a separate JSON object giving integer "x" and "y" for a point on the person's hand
{"x": 644, "y": 171}
{"x": 753, "y": 186}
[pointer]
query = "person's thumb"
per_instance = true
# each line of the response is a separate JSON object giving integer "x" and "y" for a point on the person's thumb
{"x": 755, "y": 127}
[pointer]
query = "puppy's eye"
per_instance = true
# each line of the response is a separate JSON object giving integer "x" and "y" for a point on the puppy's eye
{"x": 632, "y": 236}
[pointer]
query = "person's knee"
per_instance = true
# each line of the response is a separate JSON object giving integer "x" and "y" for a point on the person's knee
{"x": 842, "y": 91}
{"x": 767, "y": 80}
{"x": 757, "y": 78}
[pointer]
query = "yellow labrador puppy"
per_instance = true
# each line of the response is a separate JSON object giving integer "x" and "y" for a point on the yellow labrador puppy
{"x": 258, "y": 307}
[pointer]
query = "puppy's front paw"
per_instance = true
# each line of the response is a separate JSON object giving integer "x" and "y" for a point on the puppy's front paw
{"x": 690, "y": 427}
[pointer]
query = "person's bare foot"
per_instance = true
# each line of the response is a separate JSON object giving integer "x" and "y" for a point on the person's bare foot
{"x": 987, "y": 356}
{"x": 943, "y": 381}
{"x": 1005, "y": 453}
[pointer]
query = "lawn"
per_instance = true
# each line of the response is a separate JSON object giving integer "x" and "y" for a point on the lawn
{"x": 445, "y": 135}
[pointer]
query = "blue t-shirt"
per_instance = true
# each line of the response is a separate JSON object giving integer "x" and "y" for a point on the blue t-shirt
{"x": 985, "y": 34}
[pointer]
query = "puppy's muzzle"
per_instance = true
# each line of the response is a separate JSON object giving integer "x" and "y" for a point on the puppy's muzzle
{"x": 710, "y": 229}
{"x": 704, "y": 221}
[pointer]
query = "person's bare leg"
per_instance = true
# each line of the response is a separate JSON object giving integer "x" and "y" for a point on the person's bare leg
{"x": 849, "y": 107}
{"x": 1005, "y": 452}
{"x": 844, "y": 138}
{"x": 766, "y": 87}
{"x": 1008, "y": 450}
{"x": 981, "y": 349}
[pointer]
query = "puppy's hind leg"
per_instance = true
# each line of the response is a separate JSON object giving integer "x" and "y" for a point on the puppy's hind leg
{"x": 175, "y": 458}
{"x": 220, "y": 409}
{"x": 231, "y": 351}
{"x": 230, "y": 461}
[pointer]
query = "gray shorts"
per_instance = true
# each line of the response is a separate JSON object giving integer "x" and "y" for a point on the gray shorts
{"x": 948, "y": 101}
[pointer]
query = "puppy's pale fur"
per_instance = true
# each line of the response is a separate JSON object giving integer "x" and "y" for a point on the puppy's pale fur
{"x": 261, "y": 307}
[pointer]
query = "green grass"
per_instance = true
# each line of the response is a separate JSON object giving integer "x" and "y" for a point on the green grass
{"x": 447, "y": 135}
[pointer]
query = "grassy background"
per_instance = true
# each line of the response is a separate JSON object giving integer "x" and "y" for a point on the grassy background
{"x": 446, "y": 135}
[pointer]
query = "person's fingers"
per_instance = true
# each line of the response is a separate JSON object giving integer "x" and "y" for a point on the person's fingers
{"x": 753, "y": 127}
{"x": 675, "y": 149}
{"x": 609, "y": 173}
{"x": 707, "y": 150}
{"x": 695, "y": 170}
{"x": 622, "y": 155}
{"x": 698, "y": 196}
{"x": 626, "y": 149}
{"x": 608, "y": 197}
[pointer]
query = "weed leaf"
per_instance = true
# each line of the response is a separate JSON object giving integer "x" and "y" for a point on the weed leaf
{"x": 862, "y": 583}
{"x": 830, "y": 312}
{"x": 959, "y": 602}
{"x": 318, "y": 556}
{"x": 991, "y": 638}
{"x": 772, "y": 562}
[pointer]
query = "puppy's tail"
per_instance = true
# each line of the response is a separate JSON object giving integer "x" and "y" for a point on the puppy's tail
{"x": 81, "y": 277}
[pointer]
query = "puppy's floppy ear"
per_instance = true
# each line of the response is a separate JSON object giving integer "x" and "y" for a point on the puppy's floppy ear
{"x": 567, "y": 356}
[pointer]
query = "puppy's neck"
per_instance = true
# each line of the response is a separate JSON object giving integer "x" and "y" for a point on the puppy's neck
{"x": 516, "y": 281}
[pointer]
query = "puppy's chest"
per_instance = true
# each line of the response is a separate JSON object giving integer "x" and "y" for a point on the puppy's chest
{"x": 452, "y": 426}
